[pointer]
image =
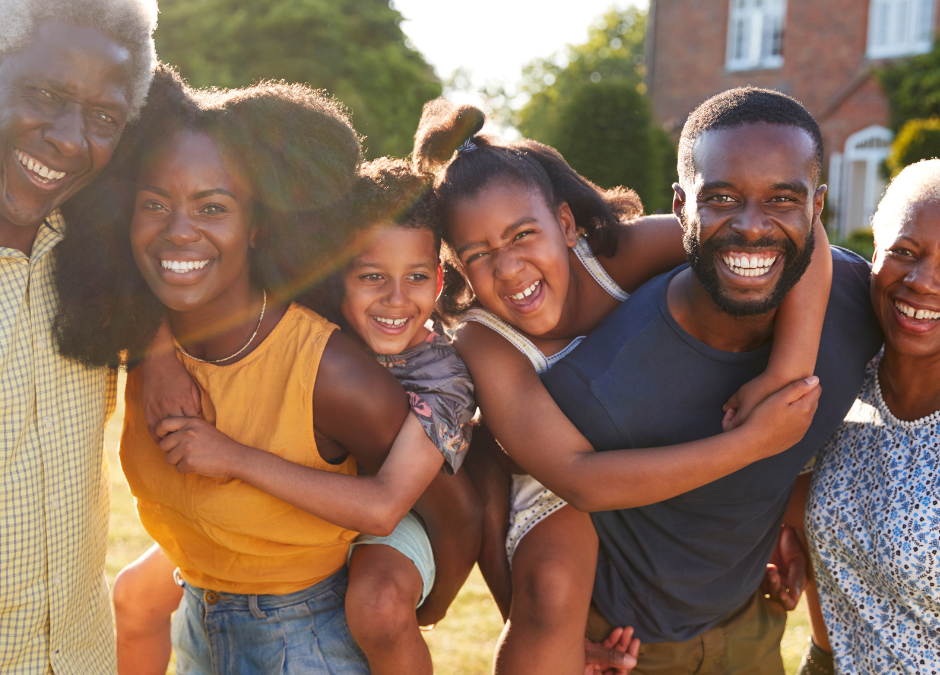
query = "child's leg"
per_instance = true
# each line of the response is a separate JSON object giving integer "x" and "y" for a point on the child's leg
{"x": 384, "y": 588}
{"x": 552, "y": 579}
{"x": 145, "y": 595}
{"x": 493, "y": 484}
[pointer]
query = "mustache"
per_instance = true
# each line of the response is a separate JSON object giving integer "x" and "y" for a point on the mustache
{"x": 739, "y": 242}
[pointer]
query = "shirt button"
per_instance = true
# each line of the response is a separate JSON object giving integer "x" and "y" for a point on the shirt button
{"x": 48, "y": 421}
{"x": 58, "y": 579}
{"x": 211, "y": 597}
{"x": 54, "y": 504}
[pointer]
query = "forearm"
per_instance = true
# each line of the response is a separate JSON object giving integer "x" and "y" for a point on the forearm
{"x": 623, "y": 479}
{"x": 452, "y": 514}
{"x": 799, "y": 321}
{"x": 366, "y": 504}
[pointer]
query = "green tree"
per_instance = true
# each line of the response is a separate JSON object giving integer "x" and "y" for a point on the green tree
{"x": 589, "y": 102}
{"x": 918, "y": 139}
{"x": 913, "y": 87}
{"x": 355, "y": 49}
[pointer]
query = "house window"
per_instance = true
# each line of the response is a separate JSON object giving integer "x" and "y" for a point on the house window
{"x": 755, "y": 34}
{"x": 855, "y": 181}
{"x": 899, "y": 28}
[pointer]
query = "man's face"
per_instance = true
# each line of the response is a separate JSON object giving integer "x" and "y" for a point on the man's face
{"x": 63, "y": 105}
{"x": 748, "y": 214}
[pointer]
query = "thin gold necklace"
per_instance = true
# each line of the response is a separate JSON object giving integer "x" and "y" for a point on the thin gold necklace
{"x": 264, "y": 303}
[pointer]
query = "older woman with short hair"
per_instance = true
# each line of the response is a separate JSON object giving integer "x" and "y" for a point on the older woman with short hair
{"x": 873, "y": 515}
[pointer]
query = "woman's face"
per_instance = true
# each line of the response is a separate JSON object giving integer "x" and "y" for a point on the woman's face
{"x": 905, "y": 287}
{"x": 191, "y": 229}
{"x": 513, "y": 249}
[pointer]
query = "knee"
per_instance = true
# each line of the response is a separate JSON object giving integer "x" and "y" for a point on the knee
{"x": 129, "y": 601}
{"x": 548, "y": 596}
{"x": 380, "y": 611}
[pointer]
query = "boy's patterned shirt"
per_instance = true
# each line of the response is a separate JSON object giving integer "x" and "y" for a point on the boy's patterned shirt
{"x": 55, "y": 614}
{"x": 441, "y": 394}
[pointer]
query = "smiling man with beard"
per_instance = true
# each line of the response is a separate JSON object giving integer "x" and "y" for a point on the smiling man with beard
{"x": 685, "y": 572}
{"x": 72, "y": 73}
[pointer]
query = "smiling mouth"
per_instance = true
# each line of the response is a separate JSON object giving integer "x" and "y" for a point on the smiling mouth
{"x": 527, "y": 292}
{"x": 183, "y": 266}
{"x": 754, "y": 265}
{"x": 37, "y": 170}
{"x": 924, "y": 315}
{"x": 392, "y": 323}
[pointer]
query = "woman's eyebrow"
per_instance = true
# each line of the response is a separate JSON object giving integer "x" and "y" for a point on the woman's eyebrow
{"x": 213, "y": 191}
{"x": 155, "y": 190}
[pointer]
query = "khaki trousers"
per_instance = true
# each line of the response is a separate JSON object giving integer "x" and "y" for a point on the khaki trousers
{"x": 745, "y": 643}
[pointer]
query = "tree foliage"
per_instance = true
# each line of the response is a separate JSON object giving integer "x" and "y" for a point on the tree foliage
{"x": 913, "y": 87}
{"x": 917, "y": 140}
{"x": 589, "y": 102}
{"x": 355, "y": 49}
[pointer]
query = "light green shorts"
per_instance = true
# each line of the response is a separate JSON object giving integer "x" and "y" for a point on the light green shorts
{"x": 411, "y": 540}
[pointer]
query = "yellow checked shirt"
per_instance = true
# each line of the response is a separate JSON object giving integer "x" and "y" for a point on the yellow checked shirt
{"x": 55, "y": 615}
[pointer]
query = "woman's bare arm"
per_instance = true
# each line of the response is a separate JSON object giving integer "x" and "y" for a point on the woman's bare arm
{"x": 540, "y": 438}
{"x": 357, "y": 404}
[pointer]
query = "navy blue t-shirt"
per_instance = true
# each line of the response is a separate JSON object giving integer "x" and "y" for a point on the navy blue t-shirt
{"x": 674, "y": 569}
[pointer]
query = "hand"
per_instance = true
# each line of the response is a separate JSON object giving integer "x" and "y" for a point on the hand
{"x": 193, "y": 445}
{"x": 167, "y": 391}
{"x": 786, "y": 571}
{"x": 617, "y": 655}
{"x": 742, "y": 403}
{"x": 781, "y": 421}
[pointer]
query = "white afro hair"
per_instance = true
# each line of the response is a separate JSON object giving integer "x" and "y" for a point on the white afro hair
{"x": 129, "y": 22}
{"x": 915, "y": 185}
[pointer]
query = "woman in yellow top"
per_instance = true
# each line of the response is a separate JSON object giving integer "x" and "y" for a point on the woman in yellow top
{"x": 213, "y": 236}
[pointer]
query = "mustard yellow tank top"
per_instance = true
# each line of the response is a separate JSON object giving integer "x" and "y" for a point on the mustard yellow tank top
{"x": 226, "y": 535}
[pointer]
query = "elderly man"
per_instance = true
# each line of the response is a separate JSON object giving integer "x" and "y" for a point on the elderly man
{"x": 72, "y": 73}
{"x": 685, "y": 572}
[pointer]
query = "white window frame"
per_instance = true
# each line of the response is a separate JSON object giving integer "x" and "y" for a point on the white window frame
{"x": 764, "y": 20}
{"x": 900, "y": 28}
{"x": 868, "y": 148}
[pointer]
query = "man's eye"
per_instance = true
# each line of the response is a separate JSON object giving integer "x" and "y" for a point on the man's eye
{"x": 213, "y": 209}
{"x": 45, "y": 93}
{"x": 418, "y": 277}
{"x": 371, "y": 278}
{"x": 102, "y": 116}
{"x": 721, "y": 199}
{"x": 902, "y": 252}
{"x": 522, "y": 235}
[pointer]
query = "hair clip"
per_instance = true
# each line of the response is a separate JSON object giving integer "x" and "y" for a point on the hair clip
{"x": 467, "y": 146}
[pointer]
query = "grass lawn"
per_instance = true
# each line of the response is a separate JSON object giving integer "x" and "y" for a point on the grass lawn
{"x": 463, "y": 644}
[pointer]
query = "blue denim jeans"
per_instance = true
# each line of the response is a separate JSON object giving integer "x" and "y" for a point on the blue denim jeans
{"x": 233, "y": 634}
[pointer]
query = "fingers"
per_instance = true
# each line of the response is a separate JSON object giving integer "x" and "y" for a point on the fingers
{"x": 727, "y": 423}
{"x": 170, "y": 425}
{"x": 196, "y": 409}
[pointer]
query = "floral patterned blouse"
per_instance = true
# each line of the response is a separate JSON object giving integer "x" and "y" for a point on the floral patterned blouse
{"x": 441, "y": 394}
{"x": 873, "y": 519}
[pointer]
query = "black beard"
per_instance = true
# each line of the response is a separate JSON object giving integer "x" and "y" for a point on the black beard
{"x": 704, "y": 257}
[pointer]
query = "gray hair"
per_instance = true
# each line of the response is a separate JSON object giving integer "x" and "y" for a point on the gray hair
{"x": 129, "y": 22}
{"x": 915, "y": 185}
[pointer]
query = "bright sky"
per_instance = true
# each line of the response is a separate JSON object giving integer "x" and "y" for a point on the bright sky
{"x": 494, "y": 39}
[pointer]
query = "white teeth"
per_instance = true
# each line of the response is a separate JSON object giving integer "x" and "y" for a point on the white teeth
{"x": 749, "y": 266}
{"x": 183, "y": 266}
{"x": 43, "y": 173}
{"x": 912, "y": 313}
{"x": 391, "y": 322}
{"x": 527, "y": 292}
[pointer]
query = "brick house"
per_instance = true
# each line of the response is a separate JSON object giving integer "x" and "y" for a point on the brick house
{"x": 821, "y": 52}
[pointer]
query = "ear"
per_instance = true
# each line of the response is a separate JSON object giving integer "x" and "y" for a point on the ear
{"x": 819, "y": 200}
{"x": 568, "y": 227}
{"x": 251, "y": 237}
{"x": 678, "y": 201}
{"x": 440, "y": 282}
